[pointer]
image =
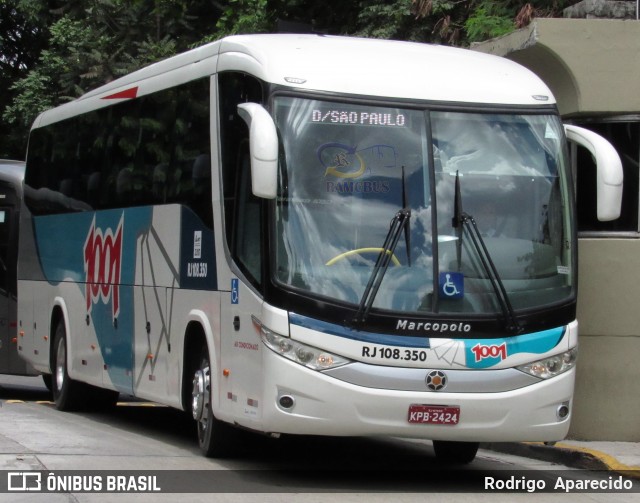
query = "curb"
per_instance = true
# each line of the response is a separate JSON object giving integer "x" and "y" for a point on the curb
{"x": 567, "y": 455}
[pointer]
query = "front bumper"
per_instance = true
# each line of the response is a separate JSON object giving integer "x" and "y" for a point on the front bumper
{"x": 324, "y": 405}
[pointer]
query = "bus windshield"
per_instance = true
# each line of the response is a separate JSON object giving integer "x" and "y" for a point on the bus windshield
{"x": 347, "y": 169}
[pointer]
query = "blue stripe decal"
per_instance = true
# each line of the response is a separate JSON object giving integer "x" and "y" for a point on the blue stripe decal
{"x": 357, "y": 335}
{"x": 479, "y": 353}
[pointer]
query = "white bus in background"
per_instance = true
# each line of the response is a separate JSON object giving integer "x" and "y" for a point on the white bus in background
{"x": 312, "y": 235}
{"x": 11, "y": 177}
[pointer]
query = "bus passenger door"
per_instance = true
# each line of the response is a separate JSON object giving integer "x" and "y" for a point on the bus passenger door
{"x": 241, "y": 355}
{"x": 240, "y": 336}
{"x": 241, "y": 348}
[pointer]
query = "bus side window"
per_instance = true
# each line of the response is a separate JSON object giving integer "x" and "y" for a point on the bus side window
{"x": 201, "y": 178}
{"x": 159, "y": 183}
{"x": 243, "y": 211}
{"x": 94, "y": 186}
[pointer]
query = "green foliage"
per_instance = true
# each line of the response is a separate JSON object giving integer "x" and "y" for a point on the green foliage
{"x": 483, "y": 25}
{"x": 52, "y": 51}
{"x": 72, "y": 63}
{"x": 34, "y": 96}
{"x": 384, "y": 20}
{"x": 149, "y": 51}
{"x": 245, "y": 16}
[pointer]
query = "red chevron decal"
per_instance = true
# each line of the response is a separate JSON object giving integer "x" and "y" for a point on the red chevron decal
{"x": 126, "y": 94}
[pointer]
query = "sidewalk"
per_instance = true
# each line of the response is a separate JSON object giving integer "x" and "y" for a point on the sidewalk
{"x": 619, "y": 457}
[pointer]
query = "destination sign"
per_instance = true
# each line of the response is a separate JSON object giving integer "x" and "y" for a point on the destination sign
{"x": 358, "y": 118}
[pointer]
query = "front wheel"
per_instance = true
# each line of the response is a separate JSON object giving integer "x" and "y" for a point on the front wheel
{"x": 215, "y": 437}
{"x": 455, "y": 452}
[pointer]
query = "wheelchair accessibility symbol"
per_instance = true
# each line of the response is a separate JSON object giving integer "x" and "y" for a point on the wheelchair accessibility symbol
{"x": 451, "y": 285}
{"x": 235, "y": 284}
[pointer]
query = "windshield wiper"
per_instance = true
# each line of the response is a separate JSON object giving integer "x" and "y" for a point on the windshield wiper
{"x": 462, "y": 220}
{"x": 400, "y": 221}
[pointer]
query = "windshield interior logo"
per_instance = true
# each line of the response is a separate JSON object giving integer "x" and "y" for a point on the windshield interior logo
{"x": 349, "y": 163}
{"x": 345, "y": 161}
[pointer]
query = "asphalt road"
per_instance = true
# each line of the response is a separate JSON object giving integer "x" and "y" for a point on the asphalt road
{"x": 146, "y": 440}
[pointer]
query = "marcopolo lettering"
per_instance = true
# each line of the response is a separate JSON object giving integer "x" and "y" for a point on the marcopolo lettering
{"x": 433, "y": 327}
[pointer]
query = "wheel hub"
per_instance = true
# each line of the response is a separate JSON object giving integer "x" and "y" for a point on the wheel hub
{"x": 60, "y": 365}
{"x": 200, "y": 394}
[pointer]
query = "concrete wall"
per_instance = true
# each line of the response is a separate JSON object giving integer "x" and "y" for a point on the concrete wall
{"x": 607, "y": 398}
{"x": 591, "y": 65}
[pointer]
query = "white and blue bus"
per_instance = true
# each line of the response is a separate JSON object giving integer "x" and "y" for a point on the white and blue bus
{"x": 300, "y": 234}
{"x": 11, "y": 177}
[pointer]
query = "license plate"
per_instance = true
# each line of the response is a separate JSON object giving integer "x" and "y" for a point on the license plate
{"x": 433, "y": 414}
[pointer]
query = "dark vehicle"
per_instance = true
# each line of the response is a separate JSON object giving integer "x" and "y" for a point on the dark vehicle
{"x": 11, "y": 178}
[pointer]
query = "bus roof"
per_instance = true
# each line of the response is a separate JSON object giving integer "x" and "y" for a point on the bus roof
{"x": 345, "y": 65}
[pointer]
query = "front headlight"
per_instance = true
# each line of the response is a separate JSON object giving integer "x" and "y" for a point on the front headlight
{"x": 552, "y": 366}
{"x": 313, "y": 358}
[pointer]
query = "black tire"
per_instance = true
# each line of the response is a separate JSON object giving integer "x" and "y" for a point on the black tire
{"x": 215, "y": 438}
{"x": 67, "y": 394}
{"x": 48, "y": 381}
{"x": 460, "y": 453}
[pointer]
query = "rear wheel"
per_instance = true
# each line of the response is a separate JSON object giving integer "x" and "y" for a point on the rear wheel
{"x": 48, "y": 381}
{"x": 215, "y": 437}
{"x": 455, "y": 452}
{"x": 67, "y": 393}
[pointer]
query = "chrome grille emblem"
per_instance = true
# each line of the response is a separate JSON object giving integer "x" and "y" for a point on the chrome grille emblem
{"x": 436, "y": 380}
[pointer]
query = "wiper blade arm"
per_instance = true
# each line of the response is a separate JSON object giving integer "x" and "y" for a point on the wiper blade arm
{"x": 456, "y": 221}
{"x": 462, "y": 220}
{"x": 407, "y": 225}
{"x": 493, "y": 275}
{"x": 399, "y": 223}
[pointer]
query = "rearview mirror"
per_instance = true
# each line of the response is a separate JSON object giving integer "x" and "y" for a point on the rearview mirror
{"x": 609, "y": 170}
{"x": 263, "y": 149}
